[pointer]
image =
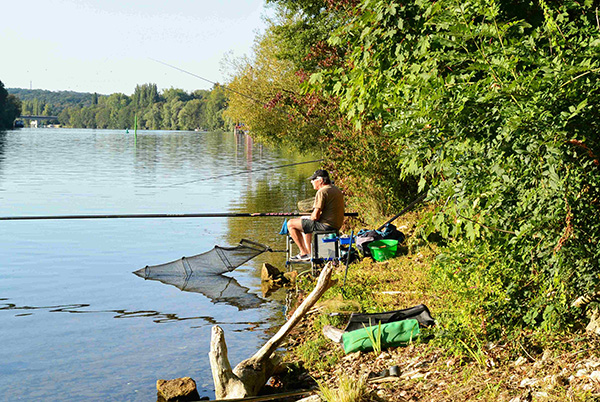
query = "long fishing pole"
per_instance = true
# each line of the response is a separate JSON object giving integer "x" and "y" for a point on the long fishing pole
{"x": 408, "y": 207}
{"x": 245, "y": 171}
{"x": 207, "y": 80}
{"x": 277, "y": 108}
{"x": 160, "y": 216}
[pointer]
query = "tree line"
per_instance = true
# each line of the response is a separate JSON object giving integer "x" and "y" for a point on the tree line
{"x": 170, "y": 109}
{"x": 490, "y": 107}
{"x": 10, "y": 108}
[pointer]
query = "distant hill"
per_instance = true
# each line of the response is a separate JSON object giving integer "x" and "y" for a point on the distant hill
{"x": 59, "y": 99}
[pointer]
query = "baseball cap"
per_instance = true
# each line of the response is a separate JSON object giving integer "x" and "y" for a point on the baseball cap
{"x": 319, "y": 173}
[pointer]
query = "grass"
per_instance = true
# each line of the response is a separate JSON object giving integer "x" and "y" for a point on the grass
{"x": 457, "y": 346}
{"x": 375, "y": 339}
{"x": 348, "y": 390}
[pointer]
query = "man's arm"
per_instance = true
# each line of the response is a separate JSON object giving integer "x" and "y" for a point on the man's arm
{"x": 316, "y": 214}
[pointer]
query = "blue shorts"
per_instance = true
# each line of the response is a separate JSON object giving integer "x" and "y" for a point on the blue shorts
{"x": 309, "y": 226}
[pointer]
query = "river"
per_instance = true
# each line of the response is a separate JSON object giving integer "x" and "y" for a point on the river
{"x": 75, "y": 323}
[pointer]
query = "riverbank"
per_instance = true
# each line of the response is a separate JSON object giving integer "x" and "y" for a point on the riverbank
{"x": 440, "y": 366}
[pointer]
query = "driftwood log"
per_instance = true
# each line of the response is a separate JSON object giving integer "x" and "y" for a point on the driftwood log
{"x": 251, "y": 375}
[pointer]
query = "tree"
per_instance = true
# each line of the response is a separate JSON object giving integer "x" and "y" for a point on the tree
{"x": 493, "y": 108}
{"x": 145, "y": 95}
{"x": 102, "y": 117}
{"x": 216, "y": 103}
{"x": 175, "y": 94}
{"x": 170, "y": 114}
{"x": 153, "y": 116}
{"x": 266, "y": 95}
{"x": 190, "y": 116}
{"x": 10, "y": 108}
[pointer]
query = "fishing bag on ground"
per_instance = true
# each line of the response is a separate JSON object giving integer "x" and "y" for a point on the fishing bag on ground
{"x": 420, "y": 313}
{"x": 388, "y": 335}
{"x": 364, "y": 238}
{"x": 389, "y": 231}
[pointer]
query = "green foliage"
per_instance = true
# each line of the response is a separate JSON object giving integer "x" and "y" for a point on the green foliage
{"x": 10, "y": 108}
{"x": 34, "y": 100}
{"x": 492, "y": 107}
{"x": 374, "y": 336}
{"x": 266, "y": 95}
{"x": 174, "y": 109}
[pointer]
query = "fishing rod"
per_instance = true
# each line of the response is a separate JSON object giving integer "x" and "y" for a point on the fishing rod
{"x": 277, "y": 108}
{"x": 160, "y": 216}
{"x": 408, "y": 207}
{"x": 245, "y": 171}
{"x": 207, "y": 80}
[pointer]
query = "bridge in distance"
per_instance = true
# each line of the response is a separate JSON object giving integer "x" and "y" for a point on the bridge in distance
{"x": 33, "y": 117}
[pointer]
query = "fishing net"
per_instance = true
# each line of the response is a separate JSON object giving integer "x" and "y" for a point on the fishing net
{"x": 202, "y": 273}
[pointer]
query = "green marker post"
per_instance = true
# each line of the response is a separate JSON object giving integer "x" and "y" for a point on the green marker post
{"x": 135, "y": 129}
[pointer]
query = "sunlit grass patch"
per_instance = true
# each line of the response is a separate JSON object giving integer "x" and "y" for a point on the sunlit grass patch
{"x": 349, "y": 390}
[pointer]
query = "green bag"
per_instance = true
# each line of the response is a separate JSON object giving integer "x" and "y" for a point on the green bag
{"x": 396, "y": 333}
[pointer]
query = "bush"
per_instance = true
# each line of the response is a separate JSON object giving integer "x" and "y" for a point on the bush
{"x": 493, "y": 108}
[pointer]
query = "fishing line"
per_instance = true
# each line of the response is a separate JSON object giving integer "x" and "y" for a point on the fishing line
{"x": 246, "y": 171}
{"x": 276, "y": 108}
{"x": 207, "y": 80}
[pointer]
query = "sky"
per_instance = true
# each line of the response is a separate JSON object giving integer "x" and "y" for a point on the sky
{"x": 108, "y": 46}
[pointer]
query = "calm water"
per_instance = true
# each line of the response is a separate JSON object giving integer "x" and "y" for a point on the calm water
{"x": 75, "y": 323}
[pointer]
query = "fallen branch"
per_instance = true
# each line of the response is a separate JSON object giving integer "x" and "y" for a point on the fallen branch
{"x": 250, "y": 375}
{"x": 268, "y": 397}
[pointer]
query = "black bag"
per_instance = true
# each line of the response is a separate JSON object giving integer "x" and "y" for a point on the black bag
{"x": 364, "y": 238}
{"x": 390, "y": 232}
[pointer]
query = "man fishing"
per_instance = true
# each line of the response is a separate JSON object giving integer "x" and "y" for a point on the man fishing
{"x": 327, "y": 214}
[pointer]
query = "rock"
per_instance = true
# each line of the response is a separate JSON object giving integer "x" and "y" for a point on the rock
{"x": 592, "y": 364}
{"x": 291, "y": 276}
{"x": 177, "y": 390}
{"x": 272, "y": 279}
{"x": 269, "y": 272}
{"x": 520, "y": 361}
{"x": 594, "y": 325}
{"x": 595, "y": 376}
{"x": 528, "y": 382}
{"x": 383, "y": 356}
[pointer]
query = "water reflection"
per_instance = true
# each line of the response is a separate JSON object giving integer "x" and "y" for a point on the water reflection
{"x": 218, "y": 288}
{"x": 46, "y": 267}
{"x": 83, "y": 308}
{"x": 2, "y": 146}
{"x": 203, "y": 273}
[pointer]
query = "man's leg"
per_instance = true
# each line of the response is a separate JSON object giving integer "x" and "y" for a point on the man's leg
{"x": 308, "y": 241}
{"x": 295, "y": 229}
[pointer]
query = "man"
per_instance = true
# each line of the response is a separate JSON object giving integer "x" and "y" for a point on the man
{"x": 327, "y": 214}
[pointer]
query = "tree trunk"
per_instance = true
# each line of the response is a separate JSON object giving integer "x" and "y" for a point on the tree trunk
{"x": 250, "y": 375}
